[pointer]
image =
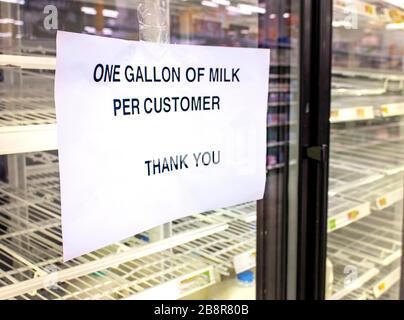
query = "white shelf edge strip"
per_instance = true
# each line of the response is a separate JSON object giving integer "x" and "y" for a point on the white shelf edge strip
{"x": 28, "y": 62}
{"x": 172, "y": 289}
{"x": 31, "y": 138}
{"x": 356, "y": 285}
{"x": 386, "y": 283}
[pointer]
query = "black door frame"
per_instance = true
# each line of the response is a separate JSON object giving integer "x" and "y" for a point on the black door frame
{"x": 315, "y": 92}
{"x": 314, "y": 135}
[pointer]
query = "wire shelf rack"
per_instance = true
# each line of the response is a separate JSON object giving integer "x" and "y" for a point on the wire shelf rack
{"x": 31, "y": 248}
{"x": 363, "y": 156}
{"x": 380, "y": 194}
{"x": 31, "y": 239}
{"x": 369, "y": 136}
{"x": 343, "y": 211}
{"x": 365, "y": 248}
{"x": 345, "y": 175}
{"x": 161, "y": 275}
{"x": 356, "y": 203}
{"x": 373, "y": 238}
{"x": 385, "y": 286}
{"x": 343, "y": 86}
{"x": 233, "y": 249}
{"x": 27, "y": 115}
{"x": 385, "y": 159}
{"x": 30, "y": 103}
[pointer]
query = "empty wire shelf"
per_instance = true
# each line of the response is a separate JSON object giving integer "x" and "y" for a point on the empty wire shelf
{"x": 31, "y": 244}
{"x": 358, "y": 252}
{"x": 342, "y": 211}
{"x": 233, "y": 249}
{"x": 27, "y": 115}
{"x": 380, "y": 194}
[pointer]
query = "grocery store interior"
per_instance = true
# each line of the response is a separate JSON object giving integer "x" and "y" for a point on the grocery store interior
{"x": 250, "y": 251}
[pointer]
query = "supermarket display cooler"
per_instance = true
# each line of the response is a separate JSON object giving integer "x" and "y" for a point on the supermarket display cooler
{"x": 363, "y": 229}
{"x": 186, "y": 258}
{"x": 193, "y": 256}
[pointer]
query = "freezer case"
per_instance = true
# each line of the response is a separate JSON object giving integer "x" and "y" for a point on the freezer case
{"x": 365, "y": 206}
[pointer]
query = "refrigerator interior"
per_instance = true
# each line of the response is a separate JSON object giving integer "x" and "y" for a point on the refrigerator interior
{"x": 200, "y": 256}
{"x": 365, "y": 207}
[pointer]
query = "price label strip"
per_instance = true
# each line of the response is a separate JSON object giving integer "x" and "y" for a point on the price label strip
{"x": 346, "y": 217}
{"x": 390, "y": 110}
{"x": 359, "y": 7}
{"x": 352, "y": 114}
{"x": 389, "y": 199}
{"x": 382, "y": 286}
{"x": 179, "y": 287}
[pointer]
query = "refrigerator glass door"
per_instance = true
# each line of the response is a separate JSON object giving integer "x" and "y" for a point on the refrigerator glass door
{"x": 210, "y": 255}
{"x": 365, "y": 206}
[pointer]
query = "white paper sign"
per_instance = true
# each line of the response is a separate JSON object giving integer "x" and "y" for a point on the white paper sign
{"x": 149, "y": 133}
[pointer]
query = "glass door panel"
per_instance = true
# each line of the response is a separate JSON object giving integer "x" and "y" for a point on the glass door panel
{"x": 365, "y": 207}
{"x": 216, "y": 257}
